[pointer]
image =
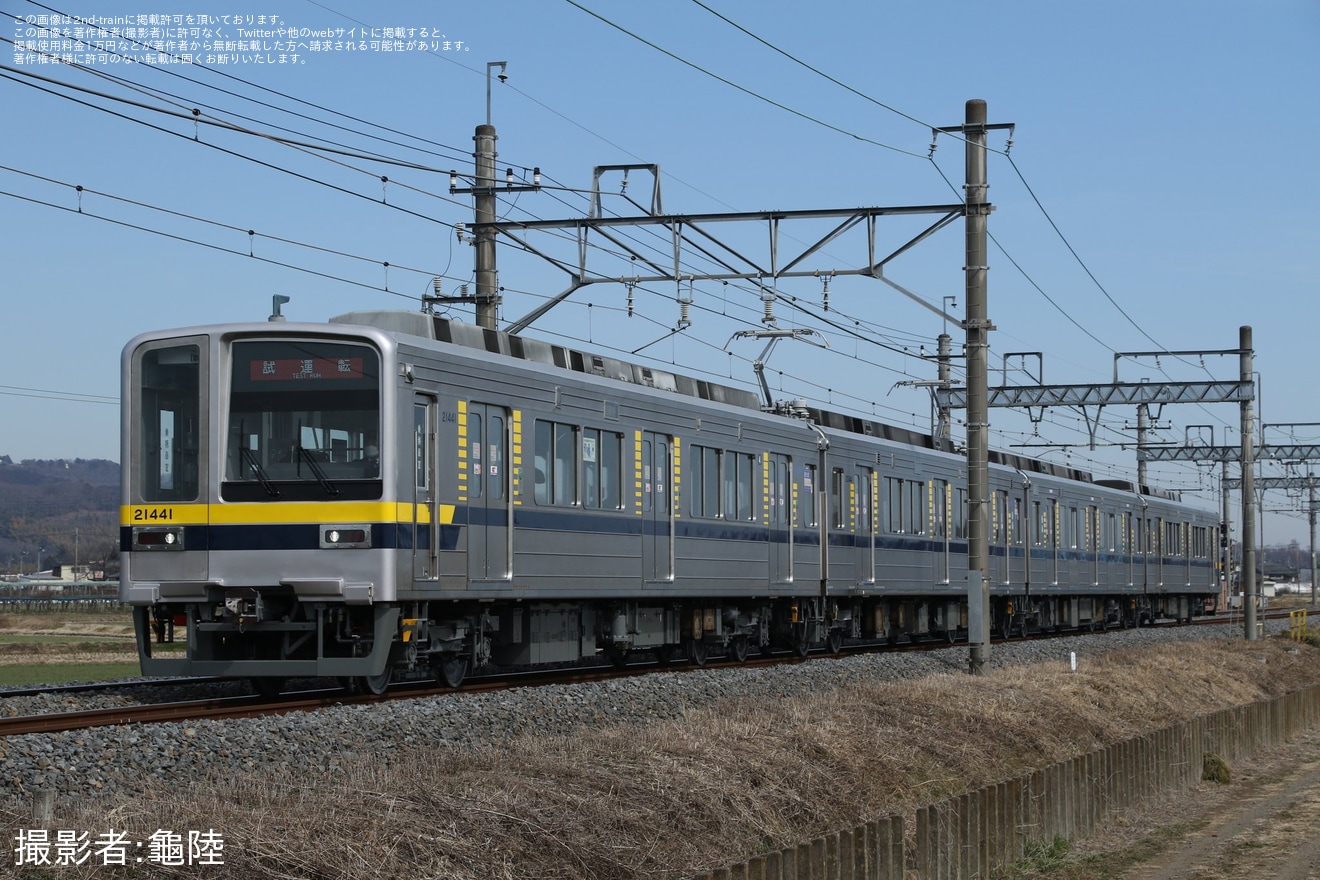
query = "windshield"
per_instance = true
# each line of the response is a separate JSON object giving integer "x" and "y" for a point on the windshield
{"x": 304, "y": 421}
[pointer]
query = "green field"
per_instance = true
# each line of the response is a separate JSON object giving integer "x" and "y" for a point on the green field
{"x": 59, "y": 647}
{"x": 64, "y": 673}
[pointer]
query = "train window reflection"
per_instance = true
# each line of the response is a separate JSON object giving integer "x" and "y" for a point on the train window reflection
{"x": 168, "y": 441}
{"x": 303, "y": 421}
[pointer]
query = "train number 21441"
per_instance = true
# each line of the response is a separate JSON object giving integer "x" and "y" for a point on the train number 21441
{"x": 153, "y": 514}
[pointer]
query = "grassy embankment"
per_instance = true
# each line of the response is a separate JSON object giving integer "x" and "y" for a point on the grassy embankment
{"x": 59, "y": 647}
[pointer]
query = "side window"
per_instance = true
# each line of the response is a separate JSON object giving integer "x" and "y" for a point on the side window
{"x": 917, "y": 505}
{"x": 647, "y": 457}
{"x": 541, "y": 462}
{"x": 169, "y": 389}
{"x": 704, "y": 481}
{"x": 778, "y": 471}
{"x": 601, "y": 459}
{"x": 476, "y": 441}
{"x": 556, "y": 460}
{"x": 564, "y": 477}
{"x": 807, "y": 515}
{"x": 422, "y": 453}
{"x": 611, "y": 470}
{"x": 939, "y": 504}
{"x": 837, "y": 489}
{"x": 591, "y": 468}
{"x": 710, "y": 486}
{"x": 495, "y": 458}
{"x": 746, "y": 486}
{"x": 866, "y": 500}
{"x": 894, "y": 505}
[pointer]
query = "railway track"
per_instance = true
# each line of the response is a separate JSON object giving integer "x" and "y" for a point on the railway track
{"x": 247, "y": 706}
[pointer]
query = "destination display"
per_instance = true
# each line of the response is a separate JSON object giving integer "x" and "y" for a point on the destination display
{"x": 305, "y": 369}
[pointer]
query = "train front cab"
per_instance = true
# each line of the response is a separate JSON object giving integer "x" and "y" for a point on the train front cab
{"x": 253, "y": 516}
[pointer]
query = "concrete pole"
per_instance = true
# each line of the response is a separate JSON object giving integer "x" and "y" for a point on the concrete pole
{"x": 945, "y": 429}
{"x": 1143, "y": 429}
{"x": 1248, "y": 489}
{"x": 978, "y": 393}
{"x": 1226, "y": 532}
{"x": 1310, "y": 479}
{"x": 488, "y": 296}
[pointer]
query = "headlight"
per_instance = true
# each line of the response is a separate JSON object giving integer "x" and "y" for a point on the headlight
{"x": 152, "y": 538}
{"x": 345, "y": 536}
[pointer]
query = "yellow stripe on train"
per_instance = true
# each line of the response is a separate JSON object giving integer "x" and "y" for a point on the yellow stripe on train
{"x": 287, "y": 512}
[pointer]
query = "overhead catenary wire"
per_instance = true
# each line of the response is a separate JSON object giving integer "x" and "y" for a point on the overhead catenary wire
{"x": 515, "y": 207}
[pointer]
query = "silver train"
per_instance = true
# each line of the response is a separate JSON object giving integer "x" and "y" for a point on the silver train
{"x": 396, "y": 494}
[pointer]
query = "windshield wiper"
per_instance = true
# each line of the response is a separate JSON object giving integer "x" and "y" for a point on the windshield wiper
{"x": 248, "y": 456}
{"x": 329, "y": 487}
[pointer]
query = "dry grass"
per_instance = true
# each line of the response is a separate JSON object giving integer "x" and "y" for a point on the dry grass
{"x": 675, "y": 798}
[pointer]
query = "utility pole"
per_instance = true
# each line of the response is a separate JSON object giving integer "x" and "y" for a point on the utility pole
{"x": 944, "y": 431}
{"x": 487, "y": 298}
{"x": 1143, "y": 429}
{"x": 976, "y": 211}
{"x": 978, "y": 384}
{"x": 1225, "y": 533}
{"x": 1248, "y": 490}
{"x": 488, "y": 295}
{"x": 1310, "y": 515}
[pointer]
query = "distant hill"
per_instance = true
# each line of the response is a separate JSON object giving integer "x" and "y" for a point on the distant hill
{"x": 66, "y": 508}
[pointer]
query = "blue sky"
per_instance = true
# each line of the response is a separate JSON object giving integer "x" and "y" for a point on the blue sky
{"x": 1159, "y": 193}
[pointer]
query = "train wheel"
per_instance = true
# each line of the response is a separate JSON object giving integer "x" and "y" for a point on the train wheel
{"x": 802, "y": 643}
{"x": 372, "y": 684}
{"x": 664, "y": 654}
{"x": 268, "y": 686}
{"x": 698, "y": 652}
{"x": 451, "y": 671}
{"x": 834, "y": 641}
{"x": 738, "y": 649}
{"x": 617, "y": 656}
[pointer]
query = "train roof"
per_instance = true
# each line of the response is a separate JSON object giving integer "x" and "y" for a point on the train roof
{"x": 439, "y": 329}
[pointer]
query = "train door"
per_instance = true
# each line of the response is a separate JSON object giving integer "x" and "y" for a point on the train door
{"x": 1094, "y": 540}
{"x": 778, "y": 477}
{"x": 1146, "y": 534}
{"x": 1128, "y": 542}
{"x": 867, "y": 489}
{"x": 1161, "y": 548}
{"x": 489, "y": 529}
{"x": 939, "y": 528}
{"x": 426, "y": 510}
{"x": 999, "y": 533}
{"x": 657, "y": 470}
{"x": 842, "y": 558}
{"x": 1186, "y": 528}
{"x": 1019, "y": 535}
{"x": 170, "y": 426}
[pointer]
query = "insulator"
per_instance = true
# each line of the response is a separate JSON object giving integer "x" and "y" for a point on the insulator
{"x": 436, "y": 285}
{"x": 769, "y": 304}
{"x": 684, "y": 312}
{"x": 630, "y": 300}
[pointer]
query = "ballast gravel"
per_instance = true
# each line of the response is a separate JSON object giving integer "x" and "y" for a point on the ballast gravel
{"x": 122, "y": 759}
